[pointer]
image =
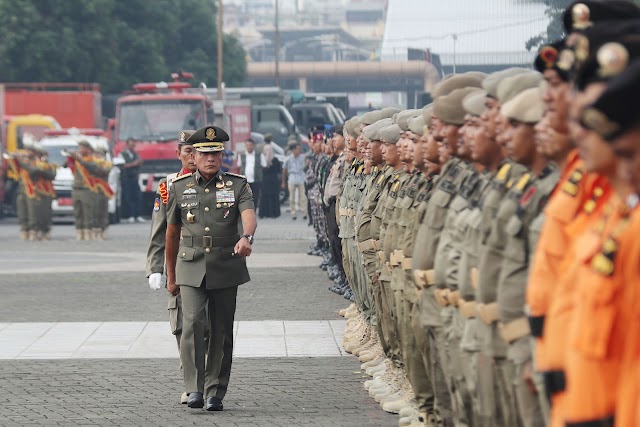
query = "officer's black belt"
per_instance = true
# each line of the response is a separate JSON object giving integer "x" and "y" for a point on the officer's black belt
{"x": 602, "y": 422}
{"x": 209, "y": 241}
{"x": 554, "y": 382}
{"x": 536, "y": 324}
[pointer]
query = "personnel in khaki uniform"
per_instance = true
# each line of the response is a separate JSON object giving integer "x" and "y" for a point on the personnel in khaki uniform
{"x": 205, "y": 260}
{"x": 156, "y": 250}
{"x": 85, "y": 170}
{"x": 103, "y": 194}
{"x": 22, "y": 168}
{"x": 46, "y": 194}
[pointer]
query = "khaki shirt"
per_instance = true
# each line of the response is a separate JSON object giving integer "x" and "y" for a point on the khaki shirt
{"x": 334, "y": 180}
{"x": 209, "y": 213}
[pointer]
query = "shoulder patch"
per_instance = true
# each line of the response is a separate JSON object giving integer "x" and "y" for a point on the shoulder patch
{"x": 164, "y": 194}
{"x": 236, "y": 175}
{"x": 178, "y": 178}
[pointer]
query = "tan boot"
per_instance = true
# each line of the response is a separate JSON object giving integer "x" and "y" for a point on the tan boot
{"x": 87, "y": 233}
{"x": 103, "y": 234}
{"x": 96, "y": 234}
{"x": 79, "y": 234}
{"x": 24, "y": 235}
{"x": 39, "y": 235}
{"x": 33, "y": 235}
{"x": 46, "y": 236}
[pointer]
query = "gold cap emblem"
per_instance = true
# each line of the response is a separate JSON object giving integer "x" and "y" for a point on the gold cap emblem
{"x": 210, "y": 134}
{"x": 612, "y": 59}
{"x": 581, "y": 15}
{"x": 566, "y": 60}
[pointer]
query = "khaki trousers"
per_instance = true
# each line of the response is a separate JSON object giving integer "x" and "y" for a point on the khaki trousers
{"x": 212, "y": 377}
{"x": 298, "y": 203}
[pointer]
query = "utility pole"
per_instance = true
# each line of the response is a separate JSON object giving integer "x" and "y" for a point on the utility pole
{"x": 277, "y": 47}
{"x": 220, "y": 44}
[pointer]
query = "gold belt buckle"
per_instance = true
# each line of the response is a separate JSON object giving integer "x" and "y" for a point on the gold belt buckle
{"x": 207, "y": 241}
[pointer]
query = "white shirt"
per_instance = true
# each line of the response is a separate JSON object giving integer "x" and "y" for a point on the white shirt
{"x": 249, "y": 168}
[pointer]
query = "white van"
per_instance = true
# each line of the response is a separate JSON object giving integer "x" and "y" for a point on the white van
{"x": 67, "y": 140}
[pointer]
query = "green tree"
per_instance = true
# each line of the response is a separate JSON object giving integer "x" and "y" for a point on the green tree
{"x": 555, "y": 28}
{"x": 112, "y": 42}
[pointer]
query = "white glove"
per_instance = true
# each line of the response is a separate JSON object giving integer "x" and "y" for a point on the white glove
{"x": 155, "y": 281}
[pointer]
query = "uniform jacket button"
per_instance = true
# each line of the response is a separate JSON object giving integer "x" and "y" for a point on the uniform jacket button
{"x": 207, "y": 250}
{"x": 206, "y": 190}
{"x": 206, "y": 229}
{"x": 206, "y": 209}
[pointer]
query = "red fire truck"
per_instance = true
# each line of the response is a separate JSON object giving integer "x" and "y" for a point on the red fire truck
{"x": 153, "y": 115}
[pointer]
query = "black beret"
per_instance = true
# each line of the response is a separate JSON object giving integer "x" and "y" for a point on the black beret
{"x": 616, "y": 112}
{"x": 336, "y": 129}
{"x": 547, "y": 59}
{"x": 582, "y": 14}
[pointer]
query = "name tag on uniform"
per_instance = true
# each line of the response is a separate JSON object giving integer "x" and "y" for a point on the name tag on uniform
{"x": 225, "y": 196}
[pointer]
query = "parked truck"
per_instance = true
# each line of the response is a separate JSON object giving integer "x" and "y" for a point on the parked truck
{"x": 154, "y": 114}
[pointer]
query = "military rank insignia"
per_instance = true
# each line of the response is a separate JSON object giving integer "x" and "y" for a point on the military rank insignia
{"x": 604, "y": 262}
{"x": 571, "y": 186}
{"x": 156, "y": 205}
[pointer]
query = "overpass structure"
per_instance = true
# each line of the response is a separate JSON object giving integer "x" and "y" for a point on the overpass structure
{"x": 412, "y": 77}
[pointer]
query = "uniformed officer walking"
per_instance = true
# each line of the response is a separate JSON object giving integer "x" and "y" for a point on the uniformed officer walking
{"x": 155, "y": 252}
{"x": 205, "y": 264}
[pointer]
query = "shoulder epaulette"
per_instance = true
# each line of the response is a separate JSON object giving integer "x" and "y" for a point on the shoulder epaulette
{"x": 236, "y": 175}
{"x": 503, "y": 172}
{"x": 178, "y": 178}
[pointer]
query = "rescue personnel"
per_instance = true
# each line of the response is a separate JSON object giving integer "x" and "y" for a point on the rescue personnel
{"x": 205, "y": 260}
{"x": 85, "y": 169}
{"x": 22, "y": 167}
{"x": 46, "y": 194}
{"x": 103, "y": 193}
{"x": 156, "y": 250}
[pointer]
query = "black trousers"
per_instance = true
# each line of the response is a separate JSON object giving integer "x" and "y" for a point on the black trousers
{"x": 334, "y": 240}
{"x": 255, "y": 189}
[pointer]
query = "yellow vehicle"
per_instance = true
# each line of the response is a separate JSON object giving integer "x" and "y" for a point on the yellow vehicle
{"x": 15, "y": 130}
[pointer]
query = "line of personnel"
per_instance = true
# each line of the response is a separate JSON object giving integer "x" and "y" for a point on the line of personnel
{"x": 490, "y": 238}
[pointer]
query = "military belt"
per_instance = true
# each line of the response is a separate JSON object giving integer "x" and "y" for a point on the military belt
{"x": 489, "y": 313}
{"x": 424, "y": 278}
{"x": 467, "y": 309}
{"x": 406, "y": 263}
{"x": 536, "y": 323}
{"x": 342, "y": 211}
{"x": 209, "y": 241}
{"x": 396, "y": 257}
{"x": 368, "y": 245}
{"x": 600, "y": 422}
{"x": 554, "y": 382}
{"x": 515, "y": 329}
{"x": 351, "y": 213}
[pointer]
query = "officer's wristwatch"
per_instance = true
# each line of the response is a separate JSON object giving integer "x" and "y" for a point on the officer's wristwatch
{"x": 249, "y": 238}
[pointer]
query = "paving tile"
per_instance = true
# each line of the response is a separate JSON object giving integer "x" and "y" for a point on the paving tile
{"x": 17, "y": 337}
{"x": 60, "y": 341}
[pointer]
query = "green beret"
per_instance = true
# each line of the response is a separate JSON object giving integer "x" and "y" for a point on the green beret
{"x": 474, "y": 102}
{"x": 509, "y": 87}
{"x": 370, "y": 117}
{"x": 208, "y": 139}
{"x": 416, "y": 125}
{"x": 388, "y": 112}
{"x": 456, "y": 81}
{"x": 390, "y": 134}
{"x": 184, "y": 135}
{"x": 526, "y": 107}
{"x": 403, "y": 117}
{"x": 449, "y": 108}
{"x": 490, "y": 84}
{"x": 427, "y": 114}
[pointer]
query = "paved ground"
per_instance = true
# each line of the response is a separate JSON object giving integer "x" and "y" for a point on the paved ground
{"x": 92, "y": 284}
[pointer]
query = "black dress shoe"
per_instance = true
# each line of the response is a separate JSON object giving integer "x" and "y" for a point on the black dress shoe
{"x": 195, "y": 400}
{"x": 214, "y": 404}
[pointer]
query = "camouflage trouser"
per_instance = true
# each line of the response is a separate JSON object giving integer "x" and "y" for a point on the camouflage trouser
{"x": 317, "y": 214}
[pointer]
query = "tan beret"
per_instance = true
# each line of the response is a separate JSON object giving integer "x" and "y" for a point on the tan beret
{"x": 449, "y": 108}
{"x": 388, "y": 112}
{"x": 509, "y": 87}
{"x": 456, "y": 81}
{"x": 347, "y": 129}
{"x": 526, "y": 107}
{"x": 473, "y": 103}
{"x": 370, "y": 117}
{"x": 390, "y": 134}
{"x": 416, "y": 125}
{"x": 490, "y": 84}
{"x": 402, "y": 119}
{"x": 372, "y": 132}
{"x": 427, "y": 114}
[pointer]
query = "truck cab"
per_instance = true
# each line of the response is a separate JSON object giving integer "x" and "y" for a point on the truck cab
{"x": 153, "y": 116}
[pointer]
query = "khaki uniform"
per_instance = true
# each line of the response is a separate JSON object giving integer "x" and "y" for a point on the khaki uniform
{"x": 84, "y": 193}
{"x": 46, "y": 194}
{"x": 208, "y": 273}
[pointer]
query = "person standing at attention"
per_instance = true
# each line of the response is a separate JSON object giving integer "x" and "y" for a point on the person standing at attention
{"x": 250, "y": 164}
{"x": 131, "y": 195}
{"x": 293, "y": 175}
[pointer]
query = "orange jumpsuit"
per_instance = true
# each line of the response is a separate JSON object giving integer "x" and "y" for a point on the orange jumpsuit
{"x": 584, "y": 235}
{"x": 597, "y": 331}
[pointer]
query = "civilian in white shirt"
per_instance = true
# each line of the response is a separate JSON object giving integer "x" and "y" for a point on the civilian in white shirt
{"x": 252, "y": 169}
